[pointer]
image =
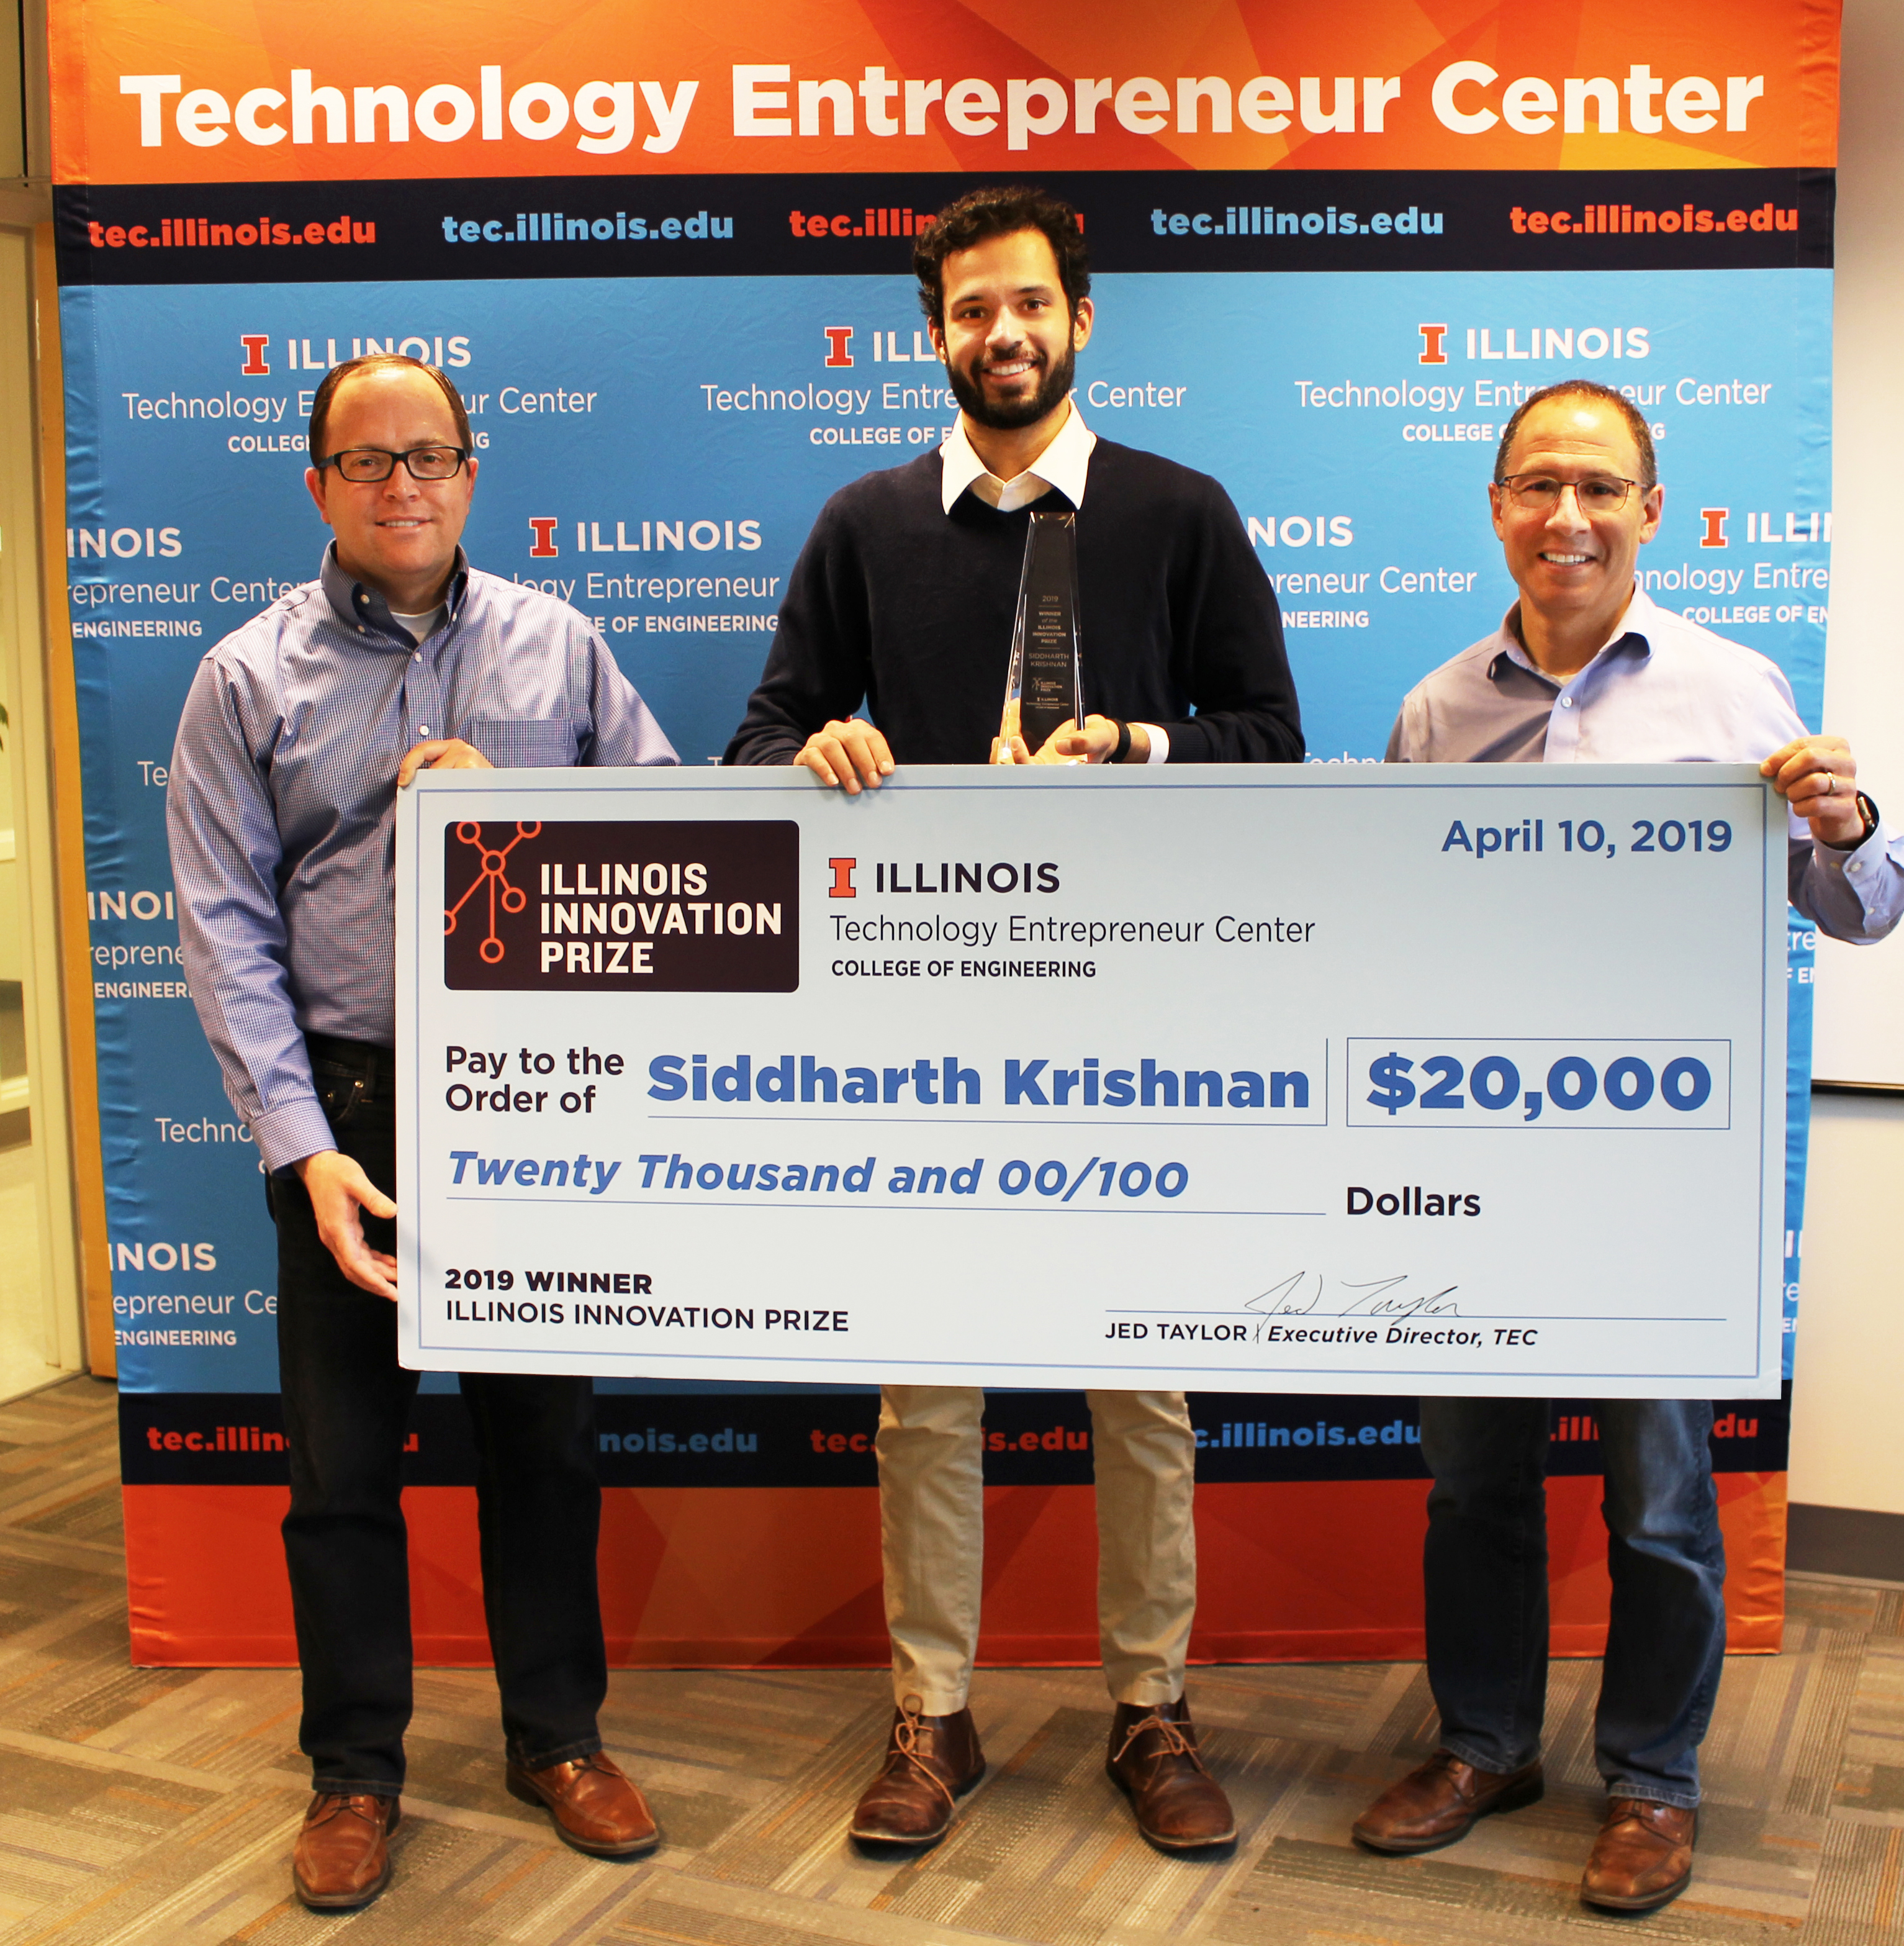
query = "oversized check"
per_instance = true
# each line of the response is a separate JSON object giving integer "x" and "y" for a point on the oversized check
{"x": 1461, "y": 1078}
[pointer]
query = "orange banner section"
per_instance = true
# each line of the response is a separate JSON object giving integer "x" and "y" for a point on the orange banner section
{"x": 246, "y": 91}
{"x": 752, "y": 1577}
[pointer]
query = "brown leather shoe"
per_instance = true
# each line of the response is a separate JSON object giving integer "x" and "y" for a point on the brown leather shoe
{"x": 1643, "y": 1857}
{"x": 1154, "y": 1761}
{"x": 1438, "y": 1801}
{"x": 931, "y": 1762}
{"x": 596, "y": 1805}
{"x": 341, "y": 1858}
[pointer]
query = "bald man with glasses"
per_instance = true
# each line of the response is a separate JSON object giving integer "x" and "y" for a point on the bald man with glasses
{"x": 1586, "y": 669}
{"x": 299, "y": 729}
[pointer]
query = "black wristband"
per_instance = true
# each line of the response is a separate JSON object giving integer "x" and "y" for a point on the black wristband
{"x": 1871, "y": 814}
{"x": 1123, "y": 749}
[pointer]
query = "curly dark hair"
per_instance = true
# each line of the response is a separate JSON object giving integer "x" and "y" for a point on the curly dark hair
{"x": 1000, "y": 211}
{"x": 1584, "y": 388}
{"x": 380, "y": 361}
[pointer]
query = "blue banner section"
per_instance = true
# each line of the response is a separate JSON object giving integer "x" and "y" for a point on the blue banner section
{"x": 654, "y": 450}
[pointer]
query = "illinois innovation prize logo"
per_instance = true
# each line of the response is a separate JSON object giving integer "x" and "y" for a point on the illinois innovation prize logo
{"x": 634, "y": 907}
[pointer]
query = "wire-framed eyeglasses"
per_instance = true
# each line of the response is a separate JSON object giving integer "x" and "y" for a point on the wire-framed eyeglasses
{"x": 365, "y": 465}
{"x": 1540, "y": 493}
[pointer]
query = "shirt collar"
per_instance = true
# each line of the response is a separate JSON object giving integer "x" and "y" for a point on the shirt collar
{"x": 1638, "y": 625}
{"x": 1063, "y": 464}
{"x": 355, "y": 603}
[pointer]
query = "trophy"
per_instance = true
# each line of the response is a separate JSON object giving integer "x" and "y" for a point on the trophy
{"x": 1043, "y": 688}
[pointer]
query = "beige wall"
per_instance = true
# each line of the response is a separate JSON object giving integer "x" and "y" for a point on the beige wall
{"x": 1847, "y": 1430}
{"x": 1860, "y": 1023}
{"x": 12, "y": 954}
{"x": 1847, "y": 1442}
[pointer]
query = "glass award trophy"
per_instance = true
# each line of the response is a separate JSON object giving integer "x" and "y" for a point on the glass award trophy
{"x": 1043, "y": 688}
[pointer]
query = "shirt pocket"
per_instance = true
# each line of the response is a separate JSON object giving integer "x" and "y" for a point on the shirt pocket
{"x": 524, "y": 744}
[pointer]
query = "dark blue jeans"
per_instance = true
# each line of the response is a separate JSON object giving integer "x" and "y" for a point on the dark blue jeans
{"x": 347, "y": 1402}
{"x": 1485, "y": 1565}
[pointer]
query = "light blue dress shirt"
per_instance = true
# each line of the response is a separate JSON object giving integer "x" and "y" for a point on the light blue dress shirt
{"x": 1664, "y": 691}
{"x": 281, "y": 807}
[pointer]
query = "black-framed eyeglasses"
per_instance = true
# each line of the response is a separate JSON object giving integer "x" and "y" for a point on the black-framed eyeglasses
{"x": 1540, "y": 493}
{"x": 366, "y": 465}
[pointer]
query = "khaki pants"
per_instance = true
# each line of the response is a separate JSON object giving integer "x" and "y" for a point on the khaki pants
{"x": 932, "y": 1520}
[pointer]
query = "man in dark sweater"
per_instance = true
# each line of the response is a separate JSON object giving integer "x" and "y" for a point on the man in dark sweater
{"x": 903, "y": 599}
{"x": 904, "y": 596}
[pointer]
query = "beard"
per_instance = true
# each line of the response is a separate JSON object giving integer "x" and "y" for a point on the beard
{"x": 1050, "y": 392}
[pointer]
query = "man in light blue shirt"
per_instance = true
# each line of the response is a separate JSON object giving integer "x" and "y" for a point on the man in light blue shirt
{"x": 1586, "y": 669}
{"x": 299, "y": 729}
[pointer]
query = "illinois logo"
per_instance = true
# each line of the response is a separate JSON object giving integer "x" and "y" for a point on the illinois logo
{"x": 671, "y": 908}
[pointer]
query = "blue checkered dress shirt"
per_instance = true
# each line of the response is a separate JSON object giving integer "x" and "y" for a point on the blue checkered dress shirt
{"x": 281, "y": 807}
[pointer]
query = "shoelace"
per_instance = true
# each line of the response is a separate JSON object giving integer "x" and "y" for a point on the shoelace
{"x": 1635, "y": 1810}
{"x": 1176, "y": 1744}
{"x": 333, "y": 1803}
{"x": 905, "y": 1743}
{"x": 596, "y": 1761}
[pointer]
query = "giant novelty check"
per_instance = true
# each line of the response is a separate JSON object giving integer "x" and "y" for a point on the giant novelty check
{"x": 1461, "y": 1078}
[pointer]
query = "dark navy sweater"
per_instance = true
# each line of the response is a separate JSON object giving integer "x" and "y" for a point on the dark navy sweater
{"x": 898, "y": 604}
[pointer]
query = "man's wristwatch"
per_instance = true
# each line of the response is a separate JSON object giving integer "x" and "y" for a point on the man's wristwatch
{"x": 1123, "y": 749}
{"x": 1869, "y": 812}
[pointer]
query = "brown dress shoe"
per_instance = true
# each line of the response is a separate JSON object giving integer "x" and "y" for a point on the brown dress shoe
{"x": 596, "y": 1805}
{"x": 931, "y": 1762}
{"x": 342, "y": 1856}
{"x": 1155, "y": 1761}
{"x": 1438, "y": 1801}
{"x": 1643, "y": 1857}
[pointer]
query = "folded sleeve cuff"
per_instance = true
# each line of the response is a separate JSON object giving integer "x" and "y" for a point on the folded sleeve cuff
{"x": 288, "y": 1135}
{"x": 1862, "y": 863}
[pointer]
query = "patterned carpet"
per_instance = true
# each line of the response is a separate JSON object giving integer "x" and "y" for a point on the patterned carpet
{"x": 157, "y": 1806}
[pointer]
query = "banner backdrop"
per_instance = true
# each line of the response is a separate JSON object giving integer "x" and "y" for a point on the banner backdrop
{"x": 666, "y": 256}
